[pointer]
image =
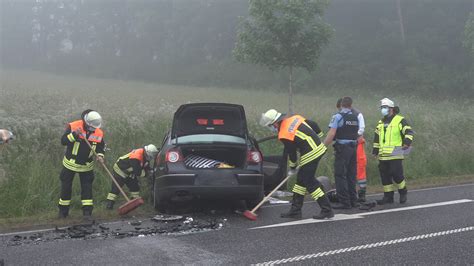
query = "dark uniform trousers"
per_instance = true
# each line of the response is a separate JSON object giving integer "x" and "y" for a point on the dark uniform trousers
{"x": 131, "y": 183}
{"x": 345, "y": 170}
{"x": 86, "y": 178}
{"x": 305, "y": 177}
{"x": 391, "y": 170}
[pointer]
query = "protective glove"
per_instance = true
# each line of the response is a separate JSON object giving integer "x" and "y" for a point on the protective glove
{"x": 292, "y": 171}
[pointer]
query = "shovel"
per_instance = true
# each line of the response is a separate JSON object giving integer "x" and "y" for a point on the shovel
{"x": 130, "y": 205}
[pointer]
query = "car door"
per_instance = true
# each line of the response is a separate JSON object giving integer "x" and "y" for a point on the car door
{"x": 274, "y": 162}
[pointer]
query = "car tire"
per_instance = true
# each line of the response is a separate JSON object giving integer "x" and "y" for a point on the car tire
{"x": 251, "y": 203}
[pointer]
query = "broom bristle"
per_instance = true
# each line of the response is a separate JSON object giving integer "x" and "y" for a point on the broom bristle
{"x": 250, "y": 215}
{"x": 130, "y": 206}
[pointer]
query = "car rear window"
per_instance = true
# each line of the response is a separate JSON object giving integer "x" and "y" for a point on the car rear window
{"x": 208, "y": 138}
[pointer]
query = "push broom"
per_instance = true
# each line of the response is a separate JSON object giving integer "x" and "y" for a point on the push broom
{"x": 251, "y": 214}
{"x": 130, "y": 205}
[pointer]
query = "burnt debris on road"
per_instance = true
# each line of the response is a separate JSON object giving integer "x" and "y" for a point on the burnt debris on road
{"x": 158, "y": 225}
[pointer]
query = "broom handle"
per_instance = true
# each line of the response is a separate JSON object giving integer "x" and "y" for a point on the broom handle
{"x": 270, "y": 194}
{"x": 107, "y": 170}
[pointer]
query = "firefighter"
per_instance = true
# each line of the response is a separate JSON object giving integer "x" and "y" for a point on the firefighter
{"x": 392, "y": 132}
{"x": 128, "y": 168}
{"x": 343, "y": 131}
{"x": 298, "y": 134}
{"x": 79, "y": 159}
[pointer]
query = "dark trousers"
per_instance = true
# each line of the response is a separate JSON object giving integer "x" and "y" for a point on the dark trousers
{"x": 86, "y": 178}
{"x": 392, "y": 171}
{"x": 131, "y": 183}
{"x": 345, "y": 169}
{"x": 306, "y": 179}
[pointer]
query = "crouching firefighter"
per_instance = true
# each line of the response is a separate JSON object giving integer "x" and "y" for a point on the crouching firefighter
{"x": 128, "y": 168}
{"x": 297, "y": 133}
{"x": 79, "y": 159}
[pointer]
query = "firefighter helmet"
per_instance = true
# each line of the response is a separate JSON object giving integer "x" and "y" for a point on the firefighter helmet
{"x": 269, "y": 117}
{"x": 93, "y": 119}
{"x": 387, "y": 102}
{"x": 151, "y": 151}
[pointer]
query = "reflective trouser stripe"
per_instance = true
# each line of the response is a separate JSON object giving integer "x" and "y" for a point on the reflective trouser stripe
{"x": 402, "y": 185}
{"x": 119, "y": 171}
{"x": 318, "y": 193}
{"x": 64, "y": 202}
{"x": 88, "y": 202}
{"x": 299, "y": 190}
{"x": 321, "y": 134}
{"x": 410, "y": 137}
{"x": 362, "y": 183}
{"x": 111, "y": 196}
{"x": 388, "y": 188}
{"x": 134, "y": 194}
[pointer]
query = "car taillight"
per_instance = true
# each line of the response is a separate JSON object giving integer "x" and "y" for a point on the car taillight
{"x": 173, "y": 156}
{"x": 254, "y": 157}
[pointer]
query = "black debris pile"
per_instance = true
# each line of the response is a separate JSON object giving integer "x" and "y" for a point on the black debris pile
{"x": 160, "y": 224}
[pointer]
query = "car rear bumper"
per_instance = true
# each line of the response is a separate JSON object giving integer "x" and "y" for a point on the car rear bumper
{"x": 227, "y": 186}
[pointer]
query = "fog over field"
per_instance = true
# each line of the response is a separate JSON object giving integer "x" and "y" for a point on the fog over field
{"x": 136, "y": 62}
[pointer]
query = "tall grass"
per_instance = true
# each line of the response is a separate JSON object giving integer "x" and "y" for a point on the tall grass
{"x": 37, "y": 106}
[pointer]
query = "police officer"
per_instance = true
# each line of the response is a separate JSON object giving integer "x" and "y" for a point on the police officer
{"x": 128, "y": 168}
{"x": 392, "y": 132}
{"x": 361, "y": 157}
{"x": 343, "y": 130}
{"x": 299, "y": 134}
{"x": 78, "y": 158}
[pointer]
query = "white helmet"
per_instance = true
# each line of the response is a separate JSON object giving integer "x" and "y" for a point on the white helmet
{"x": 387, "y": 102}
{"x": 151, "y": 151}
{"x": 93, "y": 119}
{"x": 269, "y": 117}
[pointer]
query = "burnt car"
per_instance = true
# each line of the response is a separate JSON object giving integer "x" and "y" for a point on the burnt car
{"x": 209, "y": 154}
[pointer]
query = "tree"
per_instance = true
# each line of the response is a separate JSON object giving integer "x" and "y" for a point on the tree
{"x": 283, "y": 34}
{"x": 400, "y": 20}
{"x": 469, "y": 34}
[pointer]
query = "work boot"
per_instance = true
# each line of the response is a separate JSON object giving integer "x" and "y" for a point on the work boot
{"x": 110, "y": 205}
{"x": 403, "y": 195}
{"x": 296, "y": 205}
{"x": 355, "y": 204}
{"x": 326, "y": 210}
{"x": 341, "y": 206}
{"x": 361, "y": 195}
{"x": 63, "y": 211}
{"x": 87, "y": 213}
{"x": 387, "y": 198}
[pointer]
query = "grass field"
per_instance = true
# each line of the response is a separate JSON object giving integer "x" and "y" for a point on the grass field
{"x": 37, "y": 106}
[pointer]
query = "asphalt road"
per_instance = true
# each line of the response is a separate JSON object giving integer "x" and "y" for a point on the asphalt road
{"x": 436, "y": 226}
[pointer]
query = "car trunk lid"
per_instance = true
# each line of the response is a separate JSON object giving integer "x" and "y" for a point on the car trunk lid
{"x": 209, "y": 118}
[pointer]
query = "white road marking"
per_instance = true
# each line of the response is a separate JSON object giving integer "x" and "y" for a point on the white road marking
{"x": 379, "y": 194}
{"x": 340, "y": 217}
{"x": 367, "y": 246}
